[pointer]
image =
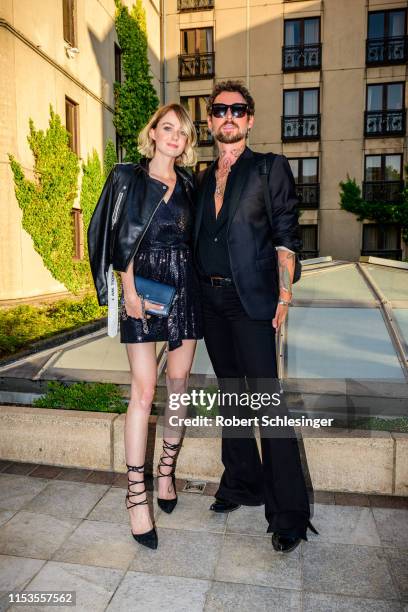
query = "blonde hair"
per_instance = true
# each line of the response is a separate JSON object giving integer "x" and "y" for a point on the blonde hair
{"x": 146, "y": 145}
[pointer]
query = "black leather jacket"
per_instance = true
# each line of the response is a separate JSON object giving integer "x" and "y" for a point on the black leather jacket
{"x": 125, "y": 208}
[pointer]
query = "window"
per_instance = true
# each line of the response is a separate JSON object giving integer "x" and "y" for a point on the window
{"x": 77, "y": 226}
{"x": 302, "y": 48}
{"x": 306, "y": 174}
{"x": 309, "y": 240}
{"x": 197, "y": 108}
{"x": 68, "y": 17}
{"x": 71, "y": 123}
{"x": 386, "y": 41}
{"x": 202, "y": 165}
{"x": 197, "y": 54}
{"x": 118, "y": 64}
{"x": 301, "y": 118}
{"x": 383, "y": 178}
{"x": 382, "y": 240}
{"x": 385, "y": 114}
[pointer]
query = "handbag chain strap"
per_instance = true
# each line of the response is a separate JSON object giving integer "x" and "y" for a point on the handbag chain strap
{"x": 144, "y": 319}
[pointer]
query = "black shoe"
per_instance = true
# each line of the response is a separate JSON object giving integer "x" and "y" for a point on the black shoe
{"x": 168, "y": 505}
{"x": 148, "y": 538}
{"x": 286, "y": 544}
{"x": 222, "y": 505}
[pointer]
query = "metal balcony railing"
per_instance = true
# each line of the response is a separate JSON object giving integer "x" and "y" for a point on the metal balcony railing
{"x": 383, "y": 191}
{"x": 194, "y": 5}
{"x": 300, "y": 127}
{"x": 384, "y": 51}
{"x": 385, "y": 123}
{"x": 308, "y": 194}
{"x": 204, "y": 136}
{"x": 196, "y": 66}
{"x": 302, "y": 57}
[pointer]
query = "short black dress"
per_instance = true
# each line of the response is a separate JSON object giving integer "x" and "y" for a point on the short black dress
{"x": 165, "y": 255}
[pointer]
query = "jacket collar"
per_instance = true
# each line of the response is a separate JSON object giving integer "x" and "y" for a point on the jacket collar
{"x": 180, "y": 170}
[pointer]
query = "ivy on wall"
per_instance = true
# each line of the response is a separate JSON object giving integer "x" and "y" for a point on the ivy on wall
{"x": 381, "y": 212}
{"x": 136, "y": 98}
{"x": 46, "y": 201}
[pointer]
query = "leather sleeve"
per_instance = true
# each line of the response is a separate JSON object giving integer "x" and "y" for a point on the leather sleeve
{"x": 285, "y": 212}
{"x": 99, "y": 235}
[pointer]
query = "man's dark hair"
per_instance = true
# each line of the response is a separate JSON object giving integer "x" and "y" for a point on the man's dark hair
{"x": 237, "y": 86}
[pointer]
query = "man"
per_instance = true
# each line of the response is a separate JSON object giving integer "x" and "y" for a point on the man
{"x": 237, "y": 243}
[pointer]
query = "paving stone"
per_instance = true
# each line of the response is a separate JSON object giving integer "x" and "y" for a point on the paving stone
{"x": 36, "y": 535}
{"x": 352, "y": 499}
{"x": 388, "y": 501}
{"x": 5, "y": 515}
{"x": 192, "y": 513}
{"x": 153, "y": 593}
{"x": 345, "y": 525}
{"x": 94, "y": 586}
{"x": 248, "y": 520}
{"x": 324, "y": 497}
{"x": 16, "y": 491}
{"x": 392, "y": 526}
{"x": 223, "y": 597}
{"x": 180, "y": 553}
{"x": 46, "y": 471}
{"x": 67, "y": 499}
{"x": 99, "y": 477}
{"x": 398, "y": 560}
{"x": 318, "y": 602}
{"x": 252, "y": 560}
{"x": 20, "y": 468}
{"x": 347, "y": 569}
{"x": 15, "y": 572}
{"x": 112, "y": 507}
{"x": 99, "y": 543}
{"x": 74, "y": 474}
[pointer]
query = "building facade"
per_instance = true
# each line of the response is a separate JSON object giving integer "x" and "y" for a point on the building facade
{"x": 64, "y": 53}
{"x": 328, "y": 78}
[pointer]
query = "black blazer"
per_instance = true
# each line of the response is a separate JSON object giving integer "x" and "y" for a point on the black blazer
{"x": 251, "y": 237}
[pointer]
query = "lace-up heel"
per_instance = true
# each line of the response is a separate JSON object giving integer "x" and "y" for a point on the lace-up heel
{"x": 149, "y": 538}
{"x": 168, "y": 505}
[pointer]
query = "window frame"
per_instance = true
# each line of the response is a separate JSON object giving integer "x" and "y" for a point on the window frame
{"x": 69, "y": 22}
{"x": 302, "y": 30}
{"x": 196, "y": 51}
{"x": 301, "y": 103}
{"x": 386, "y": 22}
{"x": 383, "y": 156}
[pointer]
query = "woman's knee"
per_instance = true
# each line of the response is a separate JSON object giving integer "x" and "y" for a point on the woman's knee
{"x": 144, "y": 396}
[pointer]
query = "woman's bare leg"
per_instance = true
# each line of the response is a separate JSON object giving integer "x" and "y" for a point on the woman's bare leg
{"x": 143, "y": 366}
{"x": 179, "y": 364}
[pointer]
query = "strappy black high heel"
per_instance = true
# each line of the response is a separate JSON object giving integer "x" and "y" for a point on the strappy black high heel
{"x": 168, "y": 505}
{"x": 149, "y": 538}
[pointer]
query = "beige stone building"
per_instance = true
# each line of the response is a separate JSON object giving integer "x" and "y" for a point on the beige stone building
{"x": 328, "y": 78}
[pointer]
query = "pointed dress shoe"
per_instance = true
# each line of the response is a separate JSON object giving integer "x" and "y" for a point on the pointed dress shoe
{"x": 286, "y": 544}
{"x": 222, "y": 505}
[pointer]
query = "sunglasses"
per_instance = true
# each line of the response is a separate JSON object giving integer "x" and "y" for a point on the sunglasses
{"x": 238, "y": 110}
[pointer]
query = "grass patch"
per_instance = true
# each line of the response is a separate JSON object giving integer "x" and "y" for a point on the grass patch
{"x": 97, "y": 397}
{"x": 21, "y": 326}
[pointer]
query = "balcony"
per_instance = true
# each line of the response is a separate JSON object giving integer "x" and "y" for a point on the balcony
{"x": 383, "y": 191}
{"x": 302, "y": 57}
{"x": 384, "y": 123}
{"x": 300, "y": 127}
{"x": 309, "y": 195}
{"x": 194, "y": 5}
{"x": 204, "y": 137}
{"x": 196, "y": 66}
{"x": 386, "y": 51}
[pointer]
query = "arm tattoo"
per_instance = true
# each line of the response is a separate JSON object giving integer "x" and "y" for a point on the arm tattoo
{"x": 285, "y": 276}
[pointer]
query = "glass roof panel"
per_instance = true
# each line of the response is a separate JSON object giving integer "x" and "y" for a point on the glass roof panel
{"x": 343, "y": 283}
{"x": 401, "y": 317}
{"x": 339, "y": 343}
{"x": 392, "y": 282}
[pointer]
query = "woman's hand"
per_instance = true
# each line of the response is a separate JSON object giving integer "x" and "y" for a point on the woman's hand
{"x": 133, "y": 306}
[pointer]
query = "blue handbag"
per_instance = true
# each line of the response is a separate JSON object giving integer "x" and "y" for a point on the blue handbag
{"x": 157, "y": 293}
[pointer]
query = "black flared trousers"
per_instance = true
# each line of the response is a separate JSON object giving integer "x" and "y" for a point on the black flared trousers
{"x": 242, "y": 352}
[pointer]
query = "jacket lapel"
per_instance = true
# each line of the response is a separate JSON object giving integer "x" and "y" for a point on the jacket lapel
{"x": 201, "y": 198}
{"x": 240, "y": 178}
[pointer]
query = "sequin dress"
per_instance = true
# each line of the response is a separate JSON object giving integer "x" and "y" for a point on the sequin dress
{"x": 165, "y": 255}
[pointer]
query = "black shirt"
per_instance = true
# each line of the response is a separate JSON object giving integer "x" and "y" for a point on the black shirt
{"x": 212, "y": 247}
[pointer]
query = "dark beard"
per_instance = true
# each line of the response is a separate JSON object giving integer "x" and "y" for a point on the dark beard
{"x": 229, "y": 138}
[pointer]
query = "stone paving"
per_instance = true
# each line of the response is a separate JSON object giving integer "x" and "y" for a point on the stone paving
{"x": 66, "y": 534}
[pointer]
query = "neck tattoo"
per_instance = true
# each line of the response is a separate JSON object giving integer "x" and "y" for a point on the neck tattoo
{"x": 225, "y": 161}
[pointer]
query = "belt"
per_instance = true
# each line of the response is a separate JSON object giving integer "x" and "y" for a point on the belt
{"x": 218, "y": 281}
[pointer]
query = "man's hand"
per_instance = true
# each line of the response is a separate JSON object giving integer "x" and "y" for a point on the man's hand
{"x": 280, "y": 316}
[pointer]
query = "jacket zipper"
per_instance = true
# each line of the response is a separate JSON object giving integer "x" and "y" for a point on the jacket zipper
{"x": 115, "y": 210}
{"x": 132, "y": 255}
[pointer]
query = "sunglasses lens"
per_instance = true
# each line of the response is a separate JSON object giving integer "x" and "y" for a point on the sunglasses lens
{"x": 238, "y": 110}
{"x": 219, "y": 110}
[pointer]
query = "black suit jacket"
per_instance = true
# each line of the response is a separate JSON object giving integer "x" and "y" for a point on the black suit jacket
{"x": 251, "y": 236}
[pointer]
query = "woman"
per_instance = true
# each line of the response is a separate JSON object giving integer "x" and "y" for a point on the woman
{"x": 151, "y": 225}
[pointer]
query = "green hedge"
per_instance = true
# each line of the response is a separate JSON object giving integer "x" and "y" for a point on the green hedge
{"x": 99, "y": 397}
